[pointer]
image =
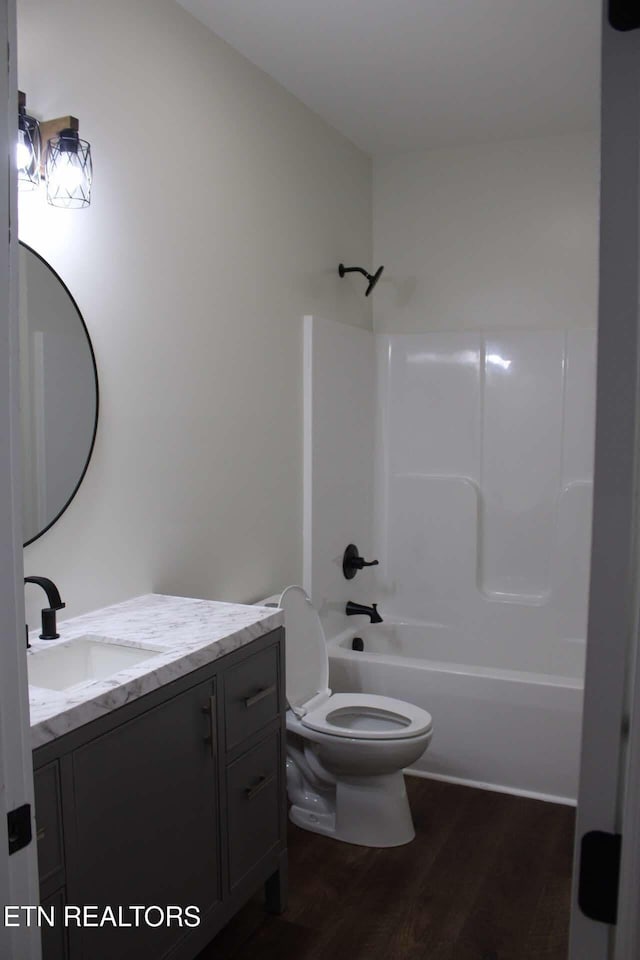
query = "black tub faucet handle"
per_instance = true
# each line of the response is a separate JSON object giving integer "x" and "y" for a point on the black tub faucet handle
{"x": 352, "y": 562}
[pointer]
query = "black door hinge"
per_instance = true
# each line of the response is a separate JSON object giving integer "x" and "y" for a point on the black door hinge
{"x": 624, "y": 14}
{"x": 599, "y": 875}
{"x": 19, "y": 828}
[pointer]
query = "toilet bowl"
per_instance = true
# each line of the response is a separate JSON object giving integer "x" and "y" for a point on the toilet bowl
{"x": 345, "y": 751}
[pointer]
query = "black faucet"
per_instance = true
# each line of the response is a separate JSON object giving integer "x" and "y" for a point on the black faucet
{"x": 353, "y": 609}
{"x": 352, "y": 562}
{"x": 49, "y": 631}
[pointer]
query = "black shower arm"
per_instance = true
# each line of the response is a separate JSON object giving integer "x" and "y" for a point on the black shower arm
{"x": 372, "y": 278}
{"x": 356, "y": 270}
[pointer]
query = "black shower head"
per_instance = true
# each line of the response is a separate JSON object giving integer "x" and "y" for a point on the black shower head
{"x": 372, "y": 278}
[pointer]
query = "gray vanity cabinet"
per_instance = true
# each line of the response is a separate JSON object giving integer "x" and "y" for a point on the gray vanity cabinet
{"x": 146, "y": 822}
{"x": 177, "y": 798}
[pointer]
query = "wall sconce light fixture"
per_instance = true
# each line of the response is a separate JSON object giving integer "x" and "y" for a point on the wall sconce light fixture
{"x": 67, "y": 166}
{"x": 29, "y": 148}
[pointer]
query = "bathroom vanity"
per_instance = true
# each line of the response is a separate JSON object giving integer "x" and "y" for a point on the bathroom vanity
{"x": 163, "y": 784}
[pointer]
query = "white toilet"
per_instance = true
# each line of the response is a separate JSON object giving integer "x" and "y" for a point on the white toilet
{"x": 345, "y": 751}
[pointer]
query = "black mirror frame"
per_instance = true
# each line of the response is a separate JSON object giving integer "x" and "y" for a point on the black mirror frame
{"x": 95, "y": 375}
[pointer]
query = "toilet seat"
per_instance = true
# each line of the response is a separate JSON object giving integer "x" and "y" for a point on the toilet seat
{"x": 358, "y": 716}
{"x": 307, "y": 666}
{"x": 366, "y": 716}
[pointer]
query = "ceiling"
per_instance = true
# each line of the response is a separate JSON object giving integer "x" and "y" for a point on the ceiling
{"x": 397, "y": 75}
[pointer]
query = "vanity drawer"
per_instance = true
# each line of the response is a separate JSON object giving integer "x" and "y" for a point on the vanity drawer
{"x": 253, "y": 802}
{"x": 49, "y": 825}
{"x": 251, "y": 695}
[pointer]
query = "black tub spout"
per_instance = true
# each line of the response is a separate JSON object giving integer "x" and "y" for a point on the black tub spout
{"x": 358, "y": 609}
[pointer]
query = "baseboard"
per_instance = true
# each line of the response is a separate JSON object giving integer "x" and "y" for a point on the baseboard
{"x": 494, "y": 787}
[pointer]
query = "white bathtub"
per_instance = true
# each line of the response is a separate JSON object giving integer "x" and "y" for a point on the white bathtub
{"x": 509, "y": 730}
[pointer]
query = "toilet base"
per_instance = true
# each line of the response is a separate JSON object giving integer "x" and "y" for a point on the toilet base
{"x": 324, "y": 823}
{"x": 369, "y": 812}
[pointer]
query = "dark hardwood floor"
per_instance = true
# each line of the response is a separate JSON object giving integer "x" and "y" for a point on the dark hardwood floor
{"x": 488, "y": 877}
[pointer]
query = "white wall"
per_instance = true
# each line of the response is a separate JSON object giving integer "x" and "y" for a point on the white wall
{"x": 221, "y": 209}
{"x": 340, "y": 397}
{"x": 501, "y": 234}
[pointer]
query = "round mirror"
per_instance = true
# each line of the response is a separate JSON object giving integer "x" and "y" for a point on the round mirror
{"x": 58, "y": 395}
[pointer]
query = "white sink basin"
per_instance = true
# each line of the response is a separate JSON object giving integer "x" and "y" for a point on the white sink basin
{"x": 81, "y": 660}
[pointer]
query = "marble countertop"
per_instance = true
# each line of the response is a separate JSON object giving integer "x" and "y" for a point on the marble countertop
{"x": 181, "y": 634}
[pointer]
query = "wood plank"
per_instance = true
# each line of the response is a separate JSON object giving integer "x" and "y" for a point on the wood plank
{"x": 488, "y": 877}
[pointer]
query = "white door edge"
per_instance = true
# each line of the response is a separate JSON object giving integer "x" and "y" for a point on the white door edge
{"x": 615, "y": 568}
{"x": 19, "y": 872}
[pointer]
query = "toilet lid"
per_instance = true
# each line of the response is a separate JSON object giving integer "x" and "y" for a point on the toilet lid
{"x": 367, "y": 716}
{"x": 307, "y": 662}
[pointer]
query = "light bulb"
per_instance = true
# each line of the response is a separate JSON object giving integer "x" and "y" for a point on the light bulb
{"x": 68, "y": 174}
{"x": 24, "y": 154}
{"x": 28, "y": 146}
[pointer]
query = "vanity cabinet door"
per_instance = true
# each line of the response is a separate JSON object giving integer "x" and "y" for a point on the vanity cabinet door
{"x": 54, "y": 939}
{"x": 49, "y": 836}
{"x": 146, "y": 823}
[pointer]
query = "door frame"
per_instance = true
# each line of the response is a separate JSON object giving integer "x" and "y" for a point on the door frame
{"x": 19, "y": 872}
{"x": 626, "y": 937}
{"x": 615, "y": 565}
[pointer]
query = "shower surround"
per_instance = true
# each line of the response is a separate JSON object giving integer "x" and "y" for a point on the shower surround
{"x": 475, "y": 495}
{"x": 485, "y": 470}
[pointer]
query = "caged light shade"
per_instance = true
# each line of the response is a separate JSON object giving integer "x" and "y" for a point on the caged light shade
{"x": 68, "y": 170}
{"x": 28, "y": 148}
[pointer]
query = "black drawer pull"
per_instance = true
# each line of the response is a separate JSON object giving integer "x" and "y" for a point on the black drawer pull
{"x": 210, "y": 711}
{"x": 260, "y": 695}
{"x": 263, "y": 782}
